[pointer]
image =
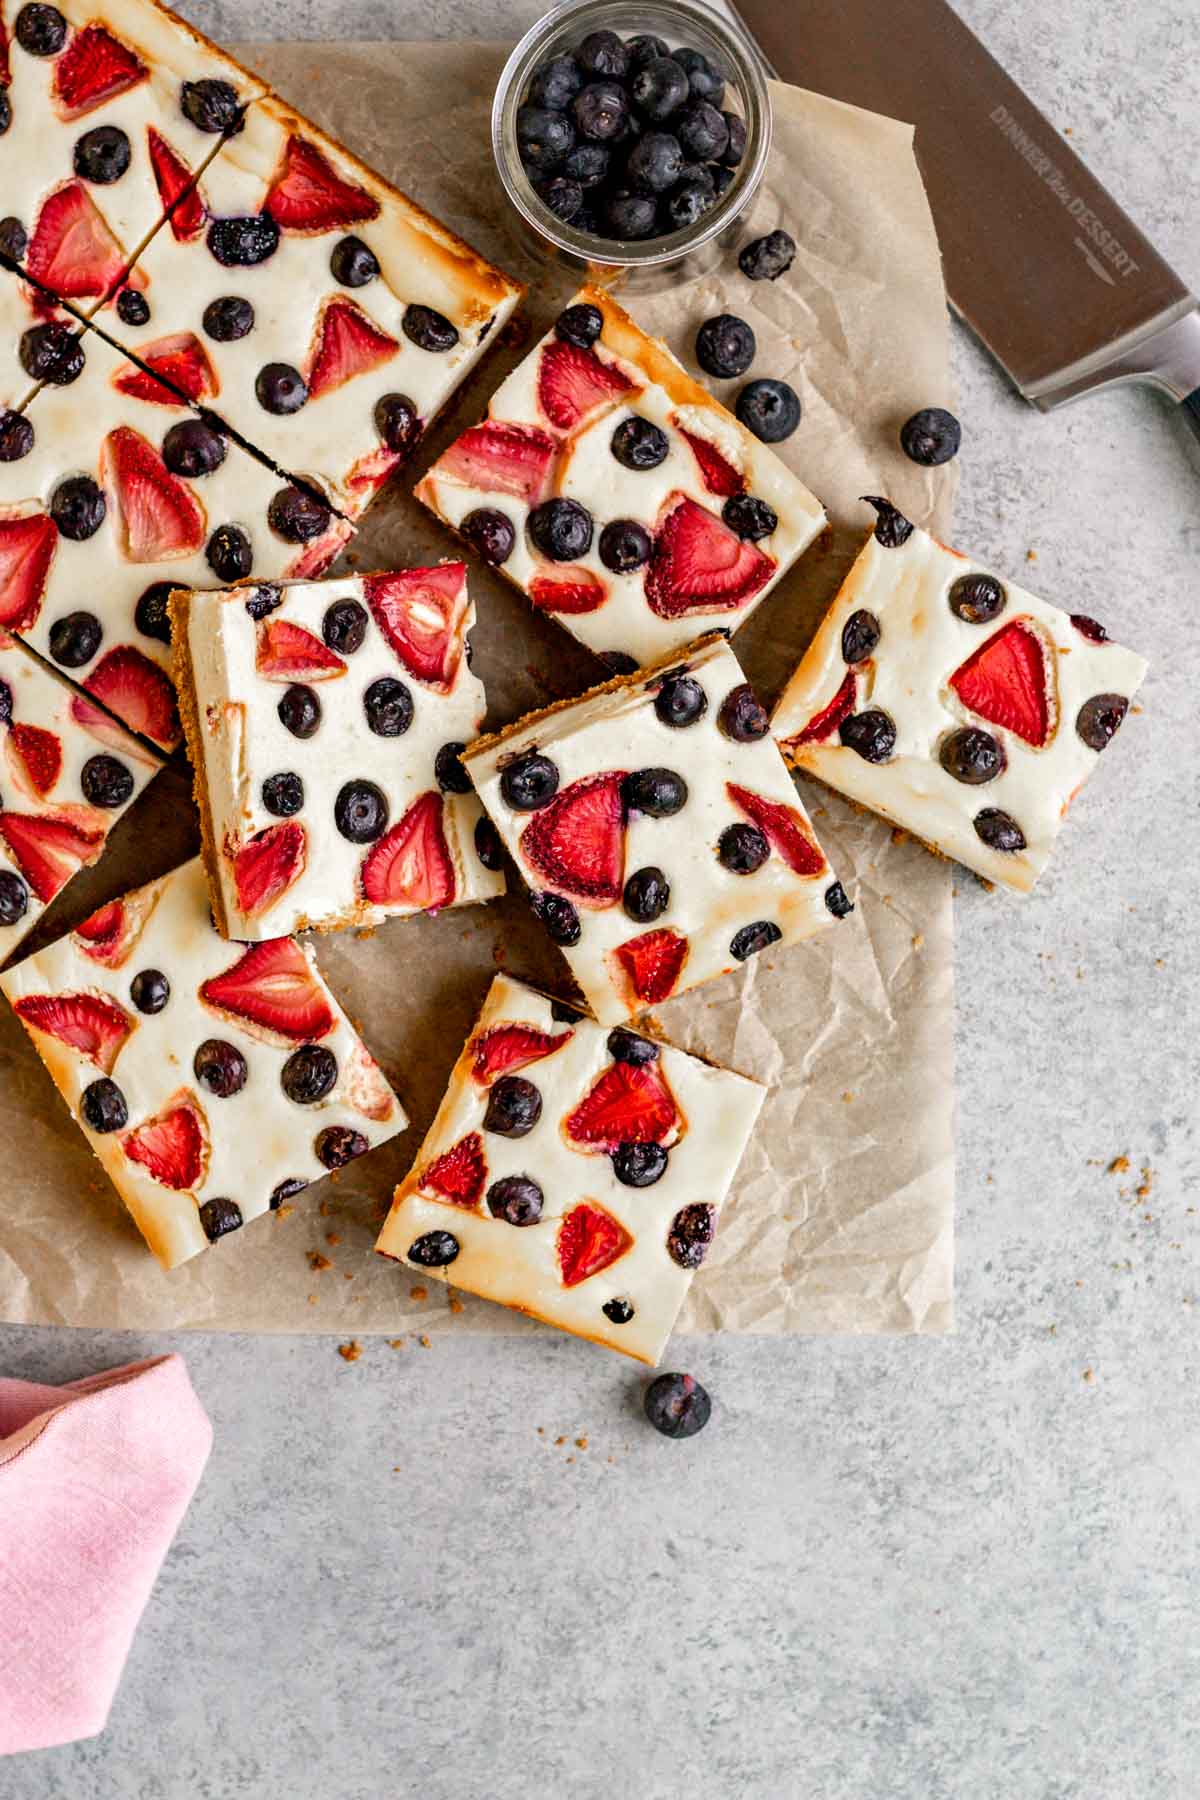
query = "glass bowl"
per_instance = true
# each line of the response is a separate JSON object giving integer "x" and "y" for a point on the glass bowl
{"x": 645, "y": 262}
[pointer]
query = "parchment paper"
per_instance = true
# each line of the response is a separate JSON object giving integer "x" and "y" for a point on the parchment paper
{"x": 842, "y": 1215}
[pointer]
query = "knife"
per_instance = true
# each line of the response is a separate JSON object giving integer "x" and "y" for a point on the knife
{"x": 1040, "y": 261}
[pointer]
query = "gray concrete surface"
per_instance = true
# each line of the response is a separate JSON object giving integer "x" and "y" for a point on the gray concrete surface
{"x": 959, "y": 1570}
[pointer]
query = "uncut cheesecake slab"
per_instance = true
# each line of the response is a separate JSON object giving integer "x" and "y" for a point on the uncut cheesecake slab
{"x": 212, "y": 1080}
{"x": 955, "y": 704}
{"x": 573, "y": 1174}
{"x": 657, "y": 828}
{"x": 601, "y": 481}
{"x": 324, "y": 722}
{"x": 67, "y": 773}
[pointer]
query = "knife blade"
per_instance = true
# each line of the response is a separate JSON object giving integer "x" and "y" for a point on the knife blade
{"x": 1044, "y": 266}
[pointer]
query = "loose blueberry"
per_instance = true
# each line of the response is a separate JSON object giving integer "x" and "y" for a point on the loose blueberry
{"x": 220, "y": 1067}
{"x": 600, "y": 111}
{"x": 603, "y": 53}
{"x": 103, "y": 1106}
{"x": 659, "y": 87}
{"x": 398, "y": 423}
{"x": 972, "y": 756}
{"x": 658, "y": 793}
{"x": 631, "y": 216}
{"x": 684, "y": 205}
{"x": 556, "y": 83}
{"x": 677, "y": 1405}
{"x": 266, "y": 599}
{"x": 228, "y": 319}
{"x": 297, "y": 515}
{"x": 735, "y": 149}
{"x": 353, "y": 263}
{"x": 753, "y": 938}
{"x": 742, "y": 717}
{"x": 280, "y": 388}
{"x": 871, "y": 733}
{"x": 106, "y": 782}
{"x": 41, "y": 30}
{"x": 702, "y": 131}
{"x": 559, "y": 918}
{"x": 999, "y": 830}
{"x": 75, "y": 639}
{"x": 491, "y": 533}
{"x": 837, "y": 900}
{"x": 14, "y": 239}
{"x": 243, "y": 243}
{"x": 433, "y": 1250}
{"x": 360, "y": 812}
{"x": 299, "y": 710}
{"x": 451, "y": 777}
{"x": 767, "y": 258}
{"x": 977, "y": 599}
{"x": 193, "y": 448}
{"x": 932, "y": 436}
{"x": 655, "y": 163}
{"x": 517, "y": 1199}
{"x": 529, "y": 782}
{"x": 150, "y": 990}
{"x": 588, "y": 164}
{"x": 892, "y": 529}
{"x": 749, "y": 516}
{"x": 624, "y": 546}
{"x": 680, "y": 700}
{"x": 618, "y": 1310}
{"x": 14, "y": 898}
{"x": 768, "y": 408}
{"x": 344, "y": 626}
{"x": 132, "y": 308}
{"x": 514, "y": 1107}
{"x": 429, "y": 330}
{"x": 16, "y": 436}
{"x": 860, "y": 634}
{"x": 488, "y": 847}
{"x": 337, "y": 1145}
{"x": 102, "y": 155}
{"x": 220, "y": 1216}
{"x": 639, "y": 1165}
{"x": 52, "y": 353}
{"x": 1100, "y": 718}
{"x": 725, "y": 345}
{"x": 647, "y": 895}
{"x": 561, "y": 529}
{"x": 563, "y": 196}
{"x": 309, "y": 1074}
{"x": 388, "y": 705}
{"x": 210, "y": 106}
{"x": 625, "y": 1046}
{"x": 704, "y": 79}
{"x": 286, "y": 1190}
{"x": 639, "y": 444}
{"x": 229, "y": 554}
{"x": 742, "y": 849}
{"x": 283, "y": 794}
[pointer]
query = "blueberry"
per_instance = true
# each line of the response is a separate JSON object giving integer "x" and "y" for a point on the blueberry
{"x": 299, "y": 710}
{"x": 106, "y": 781}
{"x": 344, "y": 626}
{"x": 388, "y": 705}
{"x": 639, "y": 1165}
{"x": 543, "y": 139}
{"x": 529, "y": 782}
{"x": 243, "y": 243}
{"x": 5, "y": 111}
{"x": 722, "y": 180}
{"x": 647, "y": 895}
{"x": 972, "y": 756}
{"x": 1089, "y": 628}
{"x": 655, "y": 163}
{"x": 643, "y": 49}
{"x": 625, "y": 1046}
{"x": 631, "y": 216}
{"x": 286, "y": 1190}
{"x": 559, "y": 918}
{"x": 75, "y": 639}
{"x": 429, "y": 330}
{"x": 517, "y": 1199}
{"x": 337, "y": 1145}
{"x": 860, "y": 635}
{"x": 514, "y": 1107}
{"x": 398, "y": 423}
{"x": 871, "y": 733}
{"x": 280, "y": 388}
{"x": 556, "y": 83}
{"x": 680, "y": 700}
{"x": 562, "y": 196}
{"x": 677, "y": 1405}
{"x": 735, "y": 149}
{"x": 639, "y": 444}
{"x": 448, "y": 771}
{"x": 742, "y": 849}
{"x": 837, "y": 900}
{"x": 14, "y": 898}
{"x": 753, "y": 938}
{"x": 769, "y": 408}
{"x": 999, "y": 830}
{"x": 703, "y": 79}
{"x": 360, "y": 811}
{"x": 658, "y": 793}
{"x": 603, "y": 53}
{"x": 702, "y": 131}
{"x": 488, "y": 847}
{"x": 561, "y": 529}
{"x": 102, "y": 155}
{"x": 220, "y": 1216}
{"x": 51, "y": 352}
{"x": 684, "y": 205}
{"x": 433, "y": 1250}
{"x": 932, "y": 436}
{"x": 229, "y": 554}
{"x": 725, "y": 345}
{"x": 266, "y": 599}
{"x": 103, "y": 1106}
{"x": 228, "y": 319}
{"x": 624, "y": 545}
{"x": 749, "y": 516}
{"x": 588, "y": 164}
{"x": 1100, "y": 718}
{"x": 132, "y": 308}
{"x": 600, "y": 111}
{"x": 619, "y": 1310}
{"x": 977, "y": 599}
{"x": 41, "y": 30}
{"x": 193, "y": 448}
{"x": 6, "y": 703}
{"x": 659, "y": 87}
{"x": 767, "y": 258}
{"x": 78, "y": 508}
{"x": 297, "y": 516}
{"x": 16, "y": 436}
{"x": 210, "y": 106}
{"x": 220, "y": 1067}
{"x": 309, "y": 1074}
{"x": 892, "y": 529}
{"x": 14, "y": 239}
{"x": 491, "y": 533}
{"x": 283, "y": 794}
{"x": 150, "y": 990}
{"x": 352, "y": 263}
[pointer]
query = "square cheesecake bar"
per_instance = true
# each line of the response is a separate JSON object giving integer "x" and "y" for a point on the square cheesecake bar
{"x": 955, "y": 704}
{"x": 659, "y": 832}
{"x": 618, "y": 494}
{"x": 67, "y": 773}
{"x": 212, "y": 1080}
{"x": 573, "y": 1174}
{"x": 324, "y": 721}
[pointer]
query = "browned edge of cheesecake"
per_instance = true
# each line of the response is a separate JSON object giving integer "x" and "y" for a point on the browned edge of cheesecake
{"x": 179, "y": 605}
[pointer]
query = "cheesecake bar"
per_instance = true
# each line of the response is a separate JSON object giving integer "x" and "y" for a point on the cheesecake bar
{"x": 67, "y": 773}
{"x": 658, "y": 830}
{"x": 572, "y": 1173}
{"x": 212, "y": 1080}
{"x": 618, "y": 494}
{"x": 324, "y": 721}
{"x": 955, "y": 704}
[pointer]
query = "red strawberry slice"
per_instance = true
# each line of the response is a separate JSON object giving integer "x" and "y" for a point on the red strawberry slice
{"x": 5, "y": 69}
{"x": 368, "y": 475}
{"x": 364, "y": 1086}
{"x": 630, "y": 1103}
{"x": 572, "y": 383}
{"x": 411, "y": 865}
{"x": 651, "y": 964}
{"x": 577, "y": 843}
{"x": 139, "y": 692}
{"x": 174, "y": 179}
{"x": 568, "y": 591}
{"x": 94, "y": 67}
{"x": 309, "y": 195}
{"x": 421, "y": 613}
{"x": 172, "y": 1147}
{"x": 95, "y": 1027}
{"x": 716, "y": 471}
{"x": 824, "y": 723}
{"x": 501, "y": 459}
{"x": 287, "y": 652}
{"x": 72, "y": 251}
{"x": 699, "y": 565}
{"x": 179, "y": 363}
{"x": 265, "y": 866}
{"x": 51, "y": 847}
{"x": 508, "y": 1047}
{"x": 319, "y": 552}
{"x": 347, "y": 344}
{"x": 161, "y": 517}
{"x": 272, "y": 989}
{"x": 784, "y": 826}
{"x": 460, "y": 1174}
{"x": 111, "y": 932}
{"x": 589, "y": 1240}
{"x": 104, "y": 728}
{"x": 27, "y": 546}
{"x": 1007, "y": 682}
{"x": 37, "y": 756}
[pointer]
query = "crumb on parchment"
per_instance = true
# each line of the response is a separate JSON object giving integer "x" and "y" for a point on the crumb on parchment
{"x": 350, "y": 1352}
{"x": 317, "y": 1262}
{"x": 419, "y": 1293}
{"x": 1118, "y": 1165}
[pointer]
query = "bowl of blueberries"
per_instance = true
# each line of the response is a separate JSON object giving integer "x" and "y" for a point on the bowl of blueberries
{"x": 628, "y": 136}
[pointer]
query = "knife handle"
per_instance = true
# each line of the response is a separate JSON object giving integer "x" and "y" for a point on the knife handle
{"x": 1191, "y": 409}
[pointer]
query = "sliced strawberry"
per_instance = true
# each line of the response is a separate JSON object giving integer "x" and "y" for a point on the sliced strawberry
{"x": 175, "y": 365}
{"x": 309, "y": 195}
{"x": 411, "y": 865}
{"x": 347, "y": 343}
{"x": 589, "y": 1240}
{"x": 421, "y": 613}
{"x": 27, "y": 546}
{"x": 364, "y": 1086}
{"x": 459, "y": 1174}
{"x": 699, "y": 565}
{"x": 172, "y": 1147}
{"x": 109, "y": 934}
{"x": 651, "y": 964}
{"x": 1007, "y": 682}
{"x": 139, "y": 692}
{"x": 272, "y": 989}
{"x": 37, "y": 758}
{"x": 315, "y": 557}
{"x": 568, "y": 591}
{"x": 577, "y": 843}
{"x": 508, "y": 1047}
{"x": 784, "y": 826}
{"x": 5, "y": 69}
{"x": 265, "y": 866}
{"x": 368, "y": 474}
{"x": 630, "y": 1103}
{"x": 501, "y": 459}
{"x": 716, "y": 471}
{"x": 94, "y": 67}
{"x": 824, "y": 723}
{"x": 174, "y": 179}
{"x": 94, "y": 1026}
{"x": 572, "y": 383}
{"x": 72, "y": 250}
{"x": 287, "y": 652}
{"x": 161, "y": 517}
{"x": 105, "y": 729}
{"x": 51, "y": 847}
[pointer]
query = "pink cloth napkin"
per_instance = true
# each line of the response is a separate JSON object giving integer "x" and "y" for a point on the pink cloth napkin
{"x": 94, "y": 1479}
